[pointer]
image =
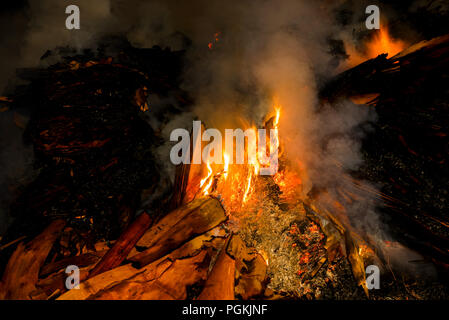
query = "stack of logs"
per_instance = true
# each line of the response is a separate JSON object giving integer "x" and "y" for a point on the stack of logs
{"x": 187, "y": 254}
{"x": 408, "y": 150}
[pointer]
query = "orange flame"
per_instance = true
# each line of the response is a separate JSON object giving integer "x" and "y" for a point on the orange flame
{"x": 248, "y": 187}
{"x": 235, "y": 183}
{"x": 208, "y": 178}
{"x": 278, "y": 115}
{"x": 226, "y": 165}
{"x": 381, "y": 43}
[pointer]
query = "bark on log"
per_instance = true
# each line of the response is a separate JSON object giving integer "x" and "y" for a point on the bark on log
{"x": 118, "y": 253}
{"x": 178, "y": 227}
{"x": 167, "y": 281}
{"x": 163, "y": 279}
{"x": 102, "y": 281}
{"x": 252, "y": 282}
{"x": 82, "y": 260}
{"x": 22, "y": 271}
{"x": 55, "y": 284}
{"x": 220, "y": 283}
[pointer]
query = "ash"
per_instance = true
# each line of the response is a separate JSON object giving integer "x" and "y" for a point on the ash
{"x": 293, "y": 247}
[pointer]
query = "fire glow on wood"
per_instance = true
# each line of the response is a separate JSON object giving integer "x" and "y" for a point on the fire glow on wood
{"x": 322, "y": 182}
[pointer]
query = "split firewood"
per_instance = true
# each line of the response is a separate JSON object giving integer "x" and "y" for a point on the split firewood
{"x": 22, "y": 271}
{"x": 220, "y": 283}
{"x": 212, "y": 240}
{"x": 167, "y": 278}
{"x": 178, "y": 227}
{"x": 251, "y": 269}
{"x": 238, "y": 250}
{"x": 115, "y": 256}
{"x": 252, "y": 282}
{"x": 83, "y": 260}
{"x": 106, "y": 279}
{"x": 55, "y": 284}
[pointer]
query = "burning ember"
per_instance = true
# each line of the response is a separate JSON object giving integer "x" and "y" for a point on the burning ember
{"x": 212, "y": 44}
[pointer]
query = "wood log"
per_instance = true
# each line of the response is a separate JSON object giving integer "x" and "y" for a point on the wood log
{"x": 166, "y": 281}
{"x": 178, "y": 227}
{"x": 220, "y": 283}
{"x": 55, "y": 284}
{"x": 252, "y": 283}
{"x": 82, "y": 260}
{"x": 118, "y": 253}
{"x": 165, "y": 278}
{"x": 22, "y": 271}
{"x": 250, "y": 269}
{"x": 106, "y": 279}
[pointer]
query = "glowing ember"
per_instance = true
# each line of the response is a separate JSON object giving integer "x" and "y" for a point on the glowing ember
{"x": 211, "y": 44}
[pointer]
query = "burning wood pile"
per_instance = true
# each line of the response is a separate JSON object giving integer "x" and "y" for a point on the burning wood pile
{"x": 407, "y": 154}
{"x": 190, "y": 253}
{"x": 222, "y": 232}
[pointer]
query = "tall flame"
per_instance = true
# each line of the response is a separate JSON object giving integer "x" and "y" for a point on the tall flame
{"x": 235, "y": 183}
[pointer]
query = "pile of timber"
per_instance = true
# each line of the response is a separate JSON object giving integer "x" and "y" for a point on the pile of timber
{"x": 187, "y": 254}
{"x": 92, "y": 144}
{"x": 407, "y": 153}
